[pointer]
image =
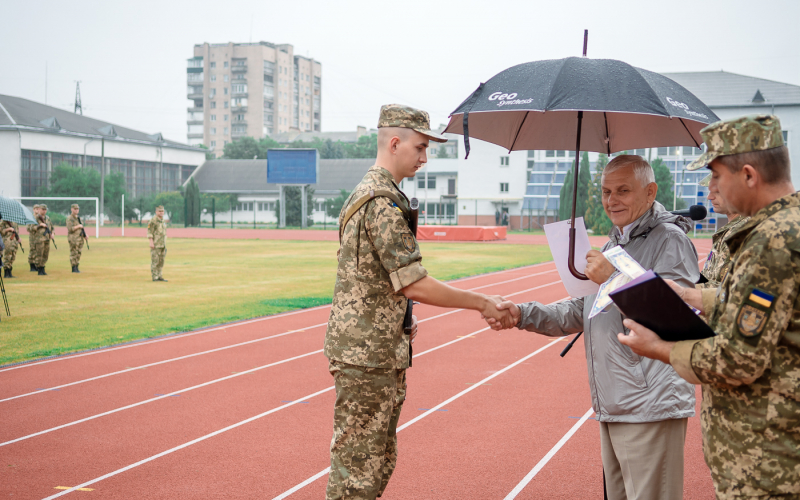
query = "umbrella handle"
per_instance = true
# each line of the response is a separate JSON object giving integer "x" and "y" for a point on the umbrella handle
{"x": 571, "y": 259}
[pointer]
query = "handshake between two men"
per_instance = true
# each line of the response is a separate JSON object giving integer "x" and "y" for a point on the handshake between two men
{"x": 598, "y": 269}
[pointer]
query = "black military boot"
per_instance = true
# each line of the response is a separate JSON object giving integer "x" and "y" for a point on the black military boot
{"x": 75, "y": 269}
{"x": 34, "y": 268}
{"x": 5, "y": 272}
{"x": 41, "y": 271}
{"x": 8, "y": 273}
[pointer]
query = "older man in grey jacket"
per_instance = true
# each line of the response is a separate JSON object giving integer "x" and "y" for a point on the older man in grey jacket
{"x": 642, "y": 404}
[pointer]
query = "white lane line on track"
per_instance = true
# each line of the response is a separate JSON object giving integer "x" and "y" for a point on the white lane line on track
{"x": 256, "y": 320}
{"x": 127, "y": 370}
{"x": 550, "y": 454}
{"x": 420, "y": 417}
{"x": 296, "y": 401}
{"x": 222, "y": 379}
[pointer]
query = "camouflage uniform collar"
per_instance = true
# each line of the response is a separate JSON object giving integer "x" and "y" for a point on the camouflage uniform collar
{"x": 737, "y": 236}
{"x": 385, "y": 174}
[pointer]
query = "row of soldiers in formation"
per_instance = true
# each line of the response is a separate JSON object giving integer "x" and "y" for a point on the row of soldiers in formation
{"x": 39, "y": 237}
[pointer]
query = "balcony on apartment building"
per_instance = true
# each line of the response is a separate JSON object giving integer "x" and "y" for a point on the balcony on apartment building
{"x": 194, "y": 91}
{"x": 239, "y": 67}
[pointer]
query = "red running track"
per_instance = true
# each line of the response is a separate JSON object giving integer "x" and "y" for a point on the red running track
{"x": 148, "y": 416}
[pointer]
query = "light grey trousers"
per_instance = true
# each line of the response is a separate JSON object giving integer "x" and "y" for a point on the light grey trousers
{"x": 643, "y": 461}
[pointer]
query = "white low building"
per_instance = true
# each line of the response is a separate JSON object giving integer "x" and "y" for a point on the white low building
{"x": 35, "y": 138}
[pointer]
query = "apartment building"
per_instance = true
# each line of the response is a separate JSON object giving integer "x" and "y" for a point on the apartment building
{"x": 250, "y": 89}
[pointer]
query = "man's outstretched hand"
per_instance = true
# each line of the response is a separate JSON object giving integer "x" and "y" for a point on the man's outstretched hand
{"x": 511, "y": 318}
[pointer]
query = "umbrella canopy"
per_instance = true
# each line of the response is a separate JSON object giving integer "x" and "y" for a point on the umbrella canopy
{"x": 14, "y": 211}
{"x": 535, "y": 105}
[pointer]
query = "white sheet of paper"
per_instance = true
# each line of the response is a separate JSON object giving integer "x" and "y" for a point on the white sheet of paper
{"x": 558, "y": 238}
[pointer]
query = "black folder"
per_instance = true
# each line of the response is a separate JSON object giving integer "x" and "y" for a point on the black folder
{"x": 650, "y": 301}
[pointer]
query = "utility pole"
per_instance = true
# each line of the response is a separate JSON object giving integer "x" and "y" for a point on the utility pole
{"x": 78, "y": 105}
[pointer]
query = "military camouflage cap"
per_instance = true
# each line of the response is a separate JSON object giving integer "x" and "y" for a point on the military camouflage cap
{"x": 43, "y": 206}
{"x": 397, "y": 115}
{"x": 160, "y": 207}
{"x": 705, "y": 181}
{"x": 75, "y": 205}
{"x": 740, "y": 135}
{"x": 37, "y": 206}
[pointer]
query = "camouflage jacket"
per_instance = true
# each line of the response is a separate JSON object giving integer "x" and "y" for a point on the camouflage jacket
{"x": 8, "y": 237}
{"x": 378, "y": 257}
{"x": 751, "y": 370}
{"x": 719, "y": 258}
{"x": 73, "y": 235}
{"x": 157, "y": 229}
{"x": 38, "y": 231}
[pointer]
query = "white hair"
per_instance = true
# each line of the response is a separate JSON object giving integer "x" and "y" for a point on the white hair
{"x": 641, "y": 169}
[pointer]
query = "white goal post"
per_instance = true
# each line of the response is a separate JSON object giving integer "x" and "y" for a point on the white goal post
{"x": 65, "y": 198}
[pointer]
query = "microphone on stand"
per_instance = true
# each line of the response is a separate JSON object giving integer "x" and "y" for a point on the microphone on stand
{"x": 695, "y": 212}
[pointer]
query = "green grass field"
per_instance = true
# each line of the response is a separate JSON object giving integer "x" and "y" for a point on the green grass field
{"x": 211, "y": 281}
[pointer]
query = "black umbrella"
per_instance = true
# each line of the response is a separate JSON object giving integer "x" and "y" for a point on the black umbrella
{"x": 14, "y": 211}
{"x": 599, "y": 105}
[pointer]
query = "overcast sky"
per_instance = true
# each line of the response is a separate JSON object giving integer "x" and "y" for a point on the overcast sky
{"x": 131, "y": 56}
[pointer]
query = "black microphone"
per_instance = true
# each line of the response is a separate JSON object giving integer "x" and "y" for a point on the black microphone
{"x": 695, "y": 212}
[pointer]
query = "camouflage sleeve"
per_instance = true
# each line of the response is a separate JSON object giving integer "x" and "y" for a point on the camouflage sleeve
{"x": 758, "y": 308}
{"x": 393, "y": 242}
{"x": 151, "y": 229}
{"x": 71, "y": 224}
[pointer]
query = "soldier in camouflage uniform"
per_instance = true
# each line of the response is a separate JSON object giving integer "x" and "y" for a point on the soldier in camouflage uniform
{"x": 719, "y": 259}
{"x": 379, "y": 269}
{"x": 157, "y": 234}
{"x": 74, "y": 237}
{"x": 750, "y": 371}
{"x": 9, "y": 231}
{"x": 32, "y": 240}
{"x": 44, "y": 233}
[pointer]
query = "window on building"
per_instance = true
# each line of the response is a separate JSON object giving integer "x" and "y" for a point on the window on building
{"x": 213, "y": 78}
{"x": 213, "y": 131}
{"x": 170, "y": 176}
{"x": 531, "y": 163}
{"x": 226, "y": 143}
{"x": 213, "y": 65}
{"x": 239, "y": 88}
{"x": 225, "y": 64}
{"x": 213, "y": 144}
{"x": 225, "y": 132}
{"x": 213, "y": 118}
{"x": 34, "y": 171}
{"x": 550, "y": 153}
{"x": 688, "y": 151}
{"x": 225, "y": 104}
{"x": 431, "y": 182}
{"x": 213, "y": 104}
{"x": 503, "y": 187}
{"x": 212, "y": 93}
{"x": 504, "y": 161}
{"x": 267, "y": 206}
{"x": 240, "y": 117}
{"x": 225, "y": 91}
{"x": 786, "y": 137}
{"x": 224, "y": 78}
{"x": 225, "y": 118}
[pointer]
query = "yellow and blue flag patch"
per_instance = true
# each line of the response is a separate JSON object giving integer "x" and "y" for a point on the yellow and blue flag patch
{"x": 761, "y": 298}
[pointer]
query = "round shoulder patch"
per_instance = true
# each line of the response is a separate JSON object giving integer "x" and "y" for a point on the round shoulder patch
{"x": 751, "y": 321}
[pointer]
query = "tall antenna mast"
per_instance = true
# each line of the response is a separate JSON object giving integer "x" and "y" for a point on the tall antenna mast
{"x": 78, "y": 105}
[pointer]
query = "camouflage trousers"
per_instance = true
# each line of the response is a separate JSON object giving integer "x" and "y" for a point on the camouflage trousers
{"x": 42, "y": 252}
{"x": 157, "y": 261}
{"x": 75, "y": 248}
{"x": 31, "y": 251}
{"x": 364, "y": 443}
{"x": 9, "y": 253}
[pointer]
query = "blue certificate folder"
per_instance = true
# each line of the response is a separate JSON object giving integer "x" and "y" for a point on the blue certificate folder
{"x": 650, "y": 301}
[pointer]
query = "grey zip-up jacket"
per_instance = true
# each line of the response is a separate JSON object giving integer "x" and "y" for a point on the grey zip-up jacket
{"x": 624, "y": 386}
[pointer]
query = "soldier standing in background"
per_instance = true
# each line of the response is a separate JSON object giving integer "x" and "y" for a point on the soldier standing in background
{"x": 157, "y": 234}
{"x": 9, "y": 231}
{"x": 379, "y": 269}
{"x": 719, "y": 259}
{"x": 32, "y": 239}
{"x": 44, "y": 233}
{"x": 74, "y": 237}
{"x": 750, "y": 370}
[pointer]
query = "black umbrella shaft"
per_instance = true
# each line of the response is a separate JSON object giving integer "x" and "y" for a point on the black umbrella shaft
{"x": 571, "y": 259}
